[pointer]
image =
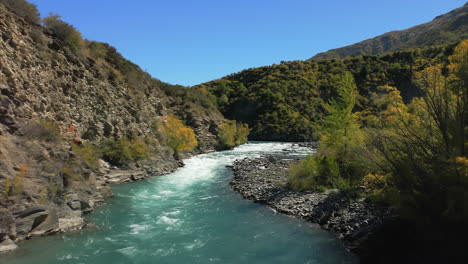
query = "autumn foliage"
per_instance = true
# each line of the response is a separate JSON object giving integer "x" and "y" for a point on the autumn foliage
{"x": 232, "y": 134}
{"x": 411, "y": 155}
{"x": 177, "y": 135}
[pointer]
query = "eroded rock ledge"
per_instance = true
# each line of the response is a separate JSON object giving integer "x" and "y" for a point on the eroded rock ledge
{"x": 24, "y": 221}
{"x": 263, "y": 180}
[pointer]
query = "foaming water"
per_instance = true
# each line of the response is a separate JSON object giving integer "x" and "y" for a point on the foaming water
{"x": 190, "y": 216}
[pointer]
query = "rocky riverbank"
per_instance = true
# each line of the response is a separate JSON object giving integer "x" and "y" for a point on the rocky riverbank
{"x": 26, "y": 221}
{"x": 51, "y": 96}
{"x": 263, "y": 180}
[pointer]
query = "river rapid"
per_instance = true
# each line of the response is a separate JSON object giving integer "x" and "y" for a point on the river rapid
{"x": 189, "y": 216}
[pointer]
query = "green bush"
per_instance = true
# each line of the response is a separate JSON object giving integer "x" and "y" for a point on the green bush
{"x": 315, "y": 172}
{"x": 124, "y": 150}
{"x": 231, "y": 134}
{"x": 64, "y": 32}
{"x": 25, "y": 9}
{"x": 87, "y": 153}
{"x": 97, "y": 49}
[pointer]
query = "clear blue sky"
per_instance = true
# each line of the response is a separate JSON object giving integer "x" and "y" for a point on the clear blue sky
{"x": 188, "y": 42}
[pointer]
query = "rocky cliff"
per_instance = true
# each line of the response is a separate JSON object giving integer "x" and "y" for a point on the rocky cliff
{"x": 50, "y": 95}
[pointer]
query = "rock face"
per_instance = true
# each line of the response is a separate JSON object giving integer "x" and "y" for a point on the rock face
{"x": 45, "y": 85}
{"x": 263, "y": 180}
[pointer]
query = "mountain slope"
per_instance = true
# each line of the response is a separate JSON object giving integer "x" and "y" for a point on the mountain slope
{"x": 280, "y": 102}
{"x": 60, "y": 107}
{"x": 445, "y": 29}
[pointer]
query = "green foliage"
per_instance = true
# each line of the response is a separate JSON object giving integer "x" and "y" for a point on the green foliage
{"x": 88, "y": 153}
{"x": 7, "y": 188}
{"x": 334, "y": 165}
{"x": 231, "y": 134}
{"x": 316, "y": 172}
{"x": 64, "y": 32}
{"x": 424, "y": 148}
{"x": 280, "y": 102}
{"x": 339, "y": 131}
{"x": 25, "y": 9}
{"x": 97, "y": 49}
{"x": 178, "y": 136}
{"x": 124, "y": 151}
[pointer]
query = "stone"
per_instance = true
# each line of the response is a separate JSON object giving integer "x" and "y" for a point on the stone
{"x": 74, "y": 205}
{"x": 257, "y": 179}
{"x": 44, "y": 224}
{"x": 7, "y": 245}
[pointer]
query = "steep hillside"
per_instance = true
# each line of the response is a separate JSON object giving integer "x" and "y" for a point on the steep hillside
{"x": 445, "y": 29}
{"x": 63, "y": 106}
{"x": 279, "y": 102}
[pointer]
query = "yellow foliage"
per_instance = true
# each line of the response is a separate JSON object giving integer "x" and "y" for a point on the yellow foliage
{"x": 462, "y": 164}
{"x": 6, "y": 189}
{"x": 388, "y": 107}
{"x": 374, "y": 182}
{"x": 232, "y": 134}
{"x": 462, "y": 161}
{"x": 19, "y": 179}
{"x": 178, "y": 136}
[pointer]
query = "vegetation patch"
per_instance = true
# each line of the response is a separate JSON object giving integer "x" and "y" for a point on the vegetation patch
{"x": 43, "y": 129}
{"x": 23, "y": 8}
{"x": 177, "y": 135}
{"x": 412, "y": 156}
{"x": 124, "y": 150}
{"x": 231, "y": 134}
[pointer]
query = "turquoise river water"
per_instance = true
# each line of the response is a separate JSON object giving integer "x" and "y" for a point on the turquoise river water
{"x": 189, "y": 216}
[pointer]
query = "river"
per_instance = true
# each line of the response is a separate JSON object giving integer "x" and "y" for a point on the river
{"x": 189, "y": 216}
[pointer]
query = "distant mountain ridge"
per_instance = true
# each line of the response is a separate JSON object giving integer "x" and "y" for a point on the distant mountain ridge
{"x": 444, "y": 29}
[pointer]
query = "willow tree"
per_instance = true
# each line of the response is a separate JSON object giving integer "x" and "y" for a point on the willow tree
{"x": 424, "y": 149}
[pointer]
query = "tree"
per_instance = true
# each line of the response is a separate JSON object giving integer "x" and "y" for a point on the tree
{"x": 178, "y": 136}
{"x": 232, "y": 134}
{"x": 339, "y": 130}
{"x": 425, "y": 149}
{"x": 334, "y": 165}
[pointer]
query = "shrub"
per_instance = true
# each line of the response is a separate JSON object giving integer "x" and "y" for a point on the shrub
{"x": 424, "y": 148}
{"x": 71, "y": 172}
{"x": 315, "y": 172}
{"x": 25, "y": 9}
{"x": 231, "y": 134}
{"x": 87, "y": 153}
{"x": 64, "y": 32}
{"x": 178, "y": 136}
{"x": 44, "y": 129}
{"x": 37, "y": 35}
{"x": 7, "y": 187}
{"x": 97, "y": 49}
{"x": 124, "y": 150}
